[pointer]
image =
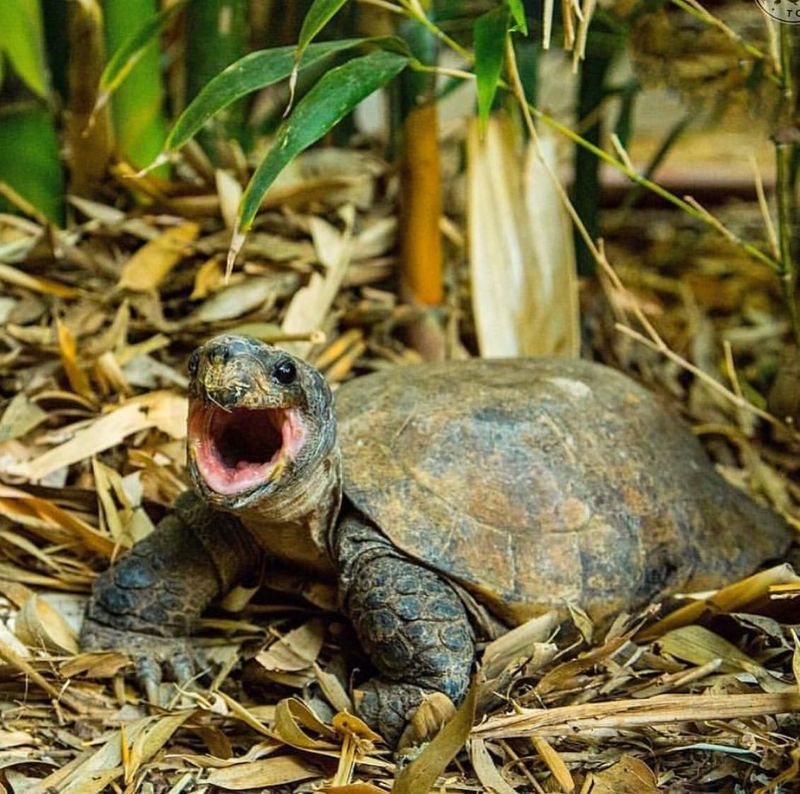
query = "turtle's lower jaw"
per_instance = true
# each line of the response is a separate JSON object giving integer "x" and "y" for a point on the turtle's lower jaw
{"x": 239, "y": 449}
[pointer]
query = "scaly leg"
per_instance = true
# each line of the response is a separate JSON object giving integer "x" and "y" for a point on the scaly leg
{"x": 410, "y": 622}
{"x": 146, "y": 604}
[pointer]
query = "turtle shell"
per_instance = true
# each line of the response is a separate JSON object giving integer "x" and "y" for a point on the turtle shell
{"x": 536, "y": 483}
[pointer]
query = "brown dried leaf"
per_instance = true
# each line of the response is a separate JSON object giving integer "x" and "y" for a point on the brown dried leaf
{"x": 77, "y": 378}
{"x": 734, "y": 597}
{"x": 165, "y": 410}
{"x": 20, "y": 506}
{"x": 44, "y": 285}
{"x": 520, "y": 641}
{"x": 421, "y": 774}
{"x": 149, "y": 741}
{"x": 236, "y": 300}
{"x": 333, "y": 690}
{"x": 20, "y": 417}
{"x": 290, "y": 715}
{"x": 40, "y": 624}
{"x": 262, "y": 774}
{"x": 628, "y": 776}
{"x": 149, "y": 266}
{"x": 230, "y": 193}
{"x": 348, "y": 724}
{"x": 209, "y": 277}
{"x": 554, "y": 762}
{"x": 309, "y": 307}
{"x": 297, "y": 650}
{"x": 486, "y": 770}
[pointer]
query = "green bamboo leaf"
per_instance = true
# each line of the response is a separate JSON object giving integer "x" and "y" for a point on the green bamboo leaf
{"x": 490, "y": 36}
{"x": 128, "y": 55}
{"x": 332, "y": 98}
{"x": 251, "y": 73}
{"x": 22, "y": 40}
{"x": 320, "y": 13}
{"x": 518, "y": 12}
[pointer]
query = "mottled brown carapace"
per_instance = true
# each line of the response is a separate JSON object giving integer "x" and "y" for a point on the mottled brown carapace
{"x": 537, "y": 482}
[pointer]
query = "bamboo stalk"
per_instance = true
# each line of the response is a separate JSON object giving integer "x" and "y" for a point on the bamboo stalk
{"x": 422, "y": 207}
{"x": 88, "y": 143}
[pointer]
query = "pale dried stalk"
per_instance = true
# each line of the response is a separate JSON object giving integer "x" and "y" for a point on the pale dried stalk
{"x": 660, "y": 347}
{"x": 630, "y": 713}
{"x": 764, "y": 207}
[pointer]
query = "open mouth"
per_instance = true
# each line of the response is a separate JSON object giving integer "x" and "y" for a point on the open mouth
{"x": 239, "y": 449}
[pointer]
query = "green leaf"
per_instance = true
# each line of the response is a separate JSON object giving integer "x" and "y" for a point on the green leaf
{"x": 331, "y": 99}
{"x": 127, "y": 56}
{"x": 518, "y": 12}
{"x": 490, "y": 37}
{"x": 320, "y": 13}
{"x": 22, "y": 40}
{"x": 254, "y": 71}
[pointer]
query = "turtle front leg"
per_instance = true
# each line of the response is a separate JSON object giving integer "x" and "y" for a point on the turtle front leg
{"x": 146, "y": 604}
{"x": 410, "y": 622}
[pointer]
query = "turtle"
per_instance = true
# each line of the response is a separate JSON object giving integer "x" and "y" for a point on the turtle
{"x": 520, "y": 485}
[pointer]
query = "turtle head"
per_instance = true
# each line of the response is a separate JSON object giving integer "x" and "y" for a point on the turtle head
{"x": 260, "y": 425}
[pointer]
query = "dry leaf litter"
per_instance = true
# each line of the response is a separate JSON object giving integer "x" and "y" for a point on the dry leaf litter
{"x": 97, "y": 323}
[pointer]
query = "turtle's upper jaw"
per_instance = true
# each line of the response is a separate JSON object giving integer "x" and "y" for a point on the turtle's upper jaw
{"x": 236, "y": 450}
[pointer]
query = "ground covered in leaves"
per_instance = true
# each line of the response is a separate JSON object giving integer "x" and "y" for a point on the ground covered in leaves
{"x": 97, "y": 323}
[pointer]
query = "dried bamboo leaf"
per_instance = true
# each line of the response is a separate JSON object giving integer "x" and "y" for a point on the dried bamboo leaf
{"x": 230, "y": 193}
{"x": 734, "y": 597}
{"x": 297, "y": 650}
{"x": 40, "y": 624}
{"x": 565, "y": 720}
{"x": 69, "y": 360}
{"x": 524, "y": 283}
{"x": 36, "y": 283}
{"x": 421, "y": 774}
{"x": 291, "y": 715}
{"x": 164, "y": 410}
{"x": 265, "y": 773}
{"x": 628, "y": 776}
{"x": 554, "y": 762}
{"x": 20, "y": 417}
{"x": 151, "y": 264}
{"x": 309, "y": 307}
{"x": 149, "y": 741}
{"x": 698, "y": 645}
{"x": 520, "y": 641}
{"x": 21, "y": 506}
{"x": 333, "y": 690}
{"x": 485, "y": 769}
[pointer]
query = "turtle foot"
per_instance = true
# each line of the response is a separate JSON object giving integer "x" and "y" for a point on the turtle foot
{"x": 155, "y": 659}
{"x": 405, "y": 715}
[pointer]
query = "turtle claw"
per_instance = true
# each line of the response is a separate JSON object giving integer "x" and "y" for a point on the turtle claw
{"x": 155, "y": 658}
{"x": 182, "y": 667}
{"x": 148, "y": 676}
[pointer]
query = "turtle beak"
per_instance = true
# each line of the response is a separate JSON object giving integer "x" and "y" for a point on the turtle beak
{"x": 238, "y": 449}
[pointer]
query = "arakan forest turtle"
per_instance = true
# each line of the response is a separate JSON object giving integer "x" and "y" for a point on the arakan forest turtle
{"x": 528, "y": 484}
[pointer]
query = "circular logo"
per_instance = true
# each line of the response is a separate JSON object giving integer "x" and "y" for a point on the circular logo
{"x": 787, "y": 11}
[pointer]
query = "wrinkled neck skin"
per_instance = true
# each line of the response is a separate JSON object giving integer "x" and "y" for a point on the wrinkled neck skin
{"x": 295, "y": 524}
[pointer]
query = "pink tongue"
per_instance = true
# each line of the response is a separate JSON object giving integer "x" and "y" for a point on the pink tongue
{"x": 229, "y": 481}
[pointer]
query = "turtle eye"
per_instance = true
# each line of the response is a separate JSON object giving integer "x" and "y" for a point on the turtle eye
{"x": 194, "y": 363}
{"x": 285, "y": 372}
